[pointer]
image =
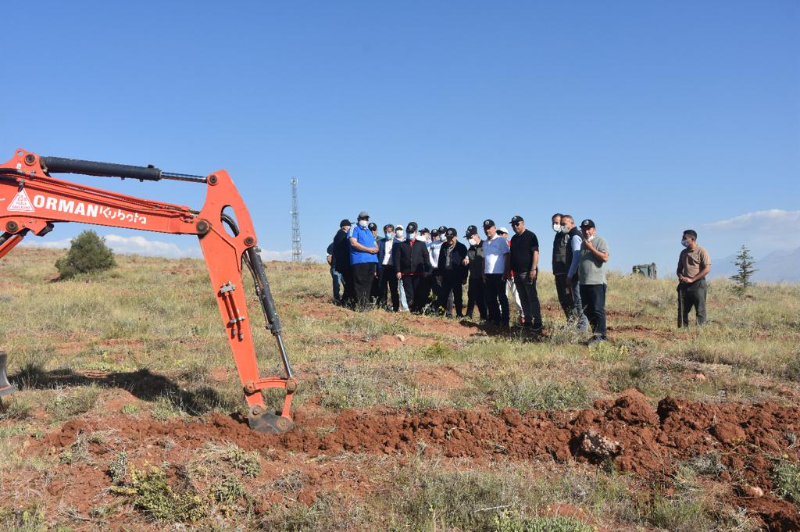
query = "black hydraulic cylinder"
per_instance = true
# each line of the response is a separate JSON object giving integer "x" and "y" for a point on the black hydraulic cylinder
{"x": 60, "y": 165}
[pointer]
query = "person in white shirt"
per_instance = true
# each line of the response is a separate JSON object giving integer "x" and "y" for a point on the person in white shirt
{"x": 510, "y": 284}
{"x": 495, "y": 274}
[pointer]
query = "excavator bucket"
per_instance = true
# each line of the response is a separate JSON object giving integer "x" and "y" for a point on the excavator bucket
{"x": 5, "y": 386}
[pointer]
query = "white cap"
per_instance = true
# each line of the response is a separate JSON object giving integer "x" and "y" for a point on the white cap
{"x": 503, "y": 230}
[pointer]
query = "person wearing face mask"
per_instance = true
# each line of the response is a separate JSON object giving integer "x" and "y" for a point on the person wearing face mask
{"x": 575, "y": 311}
{"x": 333, "y": 253}
{"x": 694, "y": 264}
{"x": 373, "y": 292}
{"x": 592, "y": 279}
{"x": 561, "y": 257}
{"x": 474, "y": 279}
{"x": 452, "y": 272}
{"x": 363, "y": 258}
{"x": 511, "y": 286}
{"x": 434, "y": 249}
{"x": 386, "y": 272}
{"x": 413, "y": 264}
{"x": 399, "y": 236}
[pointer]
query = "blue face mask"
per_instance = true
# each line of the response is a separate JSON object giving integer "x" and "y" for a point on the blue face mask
{"x": 389, "y": 236}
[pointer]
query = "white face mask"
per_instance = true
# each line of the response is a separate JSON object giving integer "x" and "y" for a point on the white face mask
{"x": 363, "y": 223}
{"x": 685, "y": 243}
{"x": 557, "y": 228}
{"x": 590, "y": 238}
{"x": 399, "y": 233}
{"x": 475, "y": 240}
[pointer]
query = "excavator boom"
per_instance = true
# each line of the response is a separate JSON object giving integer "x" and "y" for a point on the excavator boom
{"x": 32, "y": 201}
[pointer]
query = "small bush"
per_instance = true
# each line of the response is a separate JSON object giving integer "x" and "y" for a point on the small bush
{"x": 88, "y": 253}
{"x": 786, "y": 476}
{"x": 152, "y": 494}
{"x": 507, "y": 522}
{"x": 246, "y": 462}
{"x": 67, "y": 406}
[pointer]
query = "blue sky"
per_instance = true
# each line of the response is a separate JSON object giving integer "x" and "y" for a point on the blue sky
{"x": 648, "y": 117}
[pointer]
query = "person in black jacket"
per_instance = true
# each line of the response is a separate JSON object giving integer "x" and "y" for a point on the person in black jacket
{"x": 413, "y": 264}
{"x": 452, "y": 272}
{"x": 341, "y": 260}
{"x": 475, "y": 273}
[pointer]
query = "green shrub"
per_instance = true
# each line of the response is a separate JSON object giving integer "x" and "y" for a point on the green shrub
{"x": 507, "y": 522}
{"x": 152, "y": 494}
{"x": 88, "y": 253}
{"x": 786, "y": 476}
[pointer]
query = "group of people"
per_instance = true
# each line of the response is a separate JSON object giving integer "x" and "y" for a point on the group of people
{"x": 418, "y": 270}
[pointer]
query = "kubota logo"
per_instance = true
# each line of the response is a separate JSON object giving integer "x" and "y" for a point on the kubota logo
{"x": 84, "y": 209}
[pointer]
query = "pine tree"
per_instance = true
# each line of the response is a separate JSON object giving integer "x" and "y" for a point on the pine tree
{"x": 744, "y": 261}
{"x": 88, "y": 253}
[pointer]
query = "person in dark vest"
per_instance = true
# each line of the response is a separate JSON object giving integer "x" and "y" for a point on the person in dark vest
{"x": 573, "y": 255}
{"x": 561, "y": 251}
{"x": 413, "y": 264}
{"x": 474, "y": 279}
{"x": 452, "y": 272}
{"x": 341, "y": 261}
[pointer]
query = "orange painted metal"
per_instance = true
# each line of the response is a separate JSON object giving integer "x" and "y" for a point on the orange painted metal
{"x": 32, "y": 200}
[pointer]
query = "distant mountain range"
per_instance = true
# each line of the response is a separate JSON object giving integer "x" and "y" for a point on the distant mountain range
{"x": 776, "y": 267}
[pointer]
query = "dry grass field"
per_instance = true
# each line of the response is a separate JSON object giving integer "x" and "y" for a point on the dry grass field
{"x": 129, "y": 411}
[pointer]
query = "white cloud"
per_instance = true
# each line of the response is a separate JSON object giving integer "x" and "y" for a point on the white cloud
{"x": 772, "y": 217}
{"x": 138, "y": 245}
{"x": 276, "y": 255}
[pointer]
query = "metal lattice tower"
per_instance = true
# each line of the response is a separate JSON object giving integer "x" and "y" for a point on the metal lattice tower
{"x": 297, "y": 248}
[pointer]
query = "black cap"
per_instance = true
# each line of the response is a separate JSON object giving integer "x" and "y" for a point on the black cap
{"x": 373, "y": 226}
{"x": 424, "y": 231}
{"x": 488, "y": 223}
{"x": 363, "y": 215}
{"x": 435, "y": 232}
{"x": 450, "y": 233}
{"x": 471, "y": 230}
{"x": 516, "y": 219}
{"x": 587, "y": 224}
{"x": 442, "y": 229}
{"x": 345, "y": 222}
{"x": 411, "y": 227}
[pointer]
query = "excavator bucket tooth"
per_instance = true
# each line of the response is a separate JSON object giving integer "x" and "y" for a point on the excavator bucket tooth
{"x": 270, "y": 424}
{"x": 5, "y": 386}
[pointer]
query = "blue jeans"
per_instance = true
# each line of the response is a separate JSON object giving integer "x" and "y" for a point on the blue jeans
{"x": 594, "y": 301}
{"x": 576, "y": 313}
{"x": 337, "y": 281}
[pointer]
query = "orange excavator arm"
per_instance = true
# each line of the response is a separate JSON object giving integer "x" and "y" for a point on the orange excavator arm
{"x": 31, "y": 201}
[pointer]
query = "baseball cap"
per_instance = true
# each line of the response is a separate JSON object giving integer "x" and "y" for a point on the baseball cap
{"x": 450, "y": 233}
{"x": 516, "y": 219}
{"x": 373, "y": 226}
{"x": 471, "y": 230}
{"x": 442, "y": 229}
{"x": 488, "y": 223}
{"x": 435, "y": 232}
{"x": 411, "y": 227}
{"x": 587, "y": 224}
{"x": 362, "y": 215}
{"x": 424, "y": 231}
{"x": 345, "y": 222}
{"x": 503, "y": 230}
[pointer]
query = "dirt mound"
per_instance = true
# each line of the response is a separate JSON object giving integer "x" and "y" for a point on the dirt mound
{"x": 649, "y": 442}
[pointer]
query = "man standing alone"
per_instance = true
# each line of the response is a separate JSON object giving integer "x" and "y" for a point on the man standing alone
{"x": 363, "y": 259}
{"x": 525, "y": 268}
{"x": 693, "y": 267}
{"x": 592, "y": 278}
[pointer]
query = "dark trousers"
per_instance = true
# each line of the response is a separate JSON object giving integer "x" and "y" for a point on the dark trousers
{"x": 692, "y": 295}
{"x": 475, "y": 296}
{"x": 576, "y": 314}
{"x": 336, "y": 278}
{"x": 529, "y": 297}
{"x": 388, "y": 279}
{"x": 363, "y": 274}
{"x": 451, "y": 288}
{"x": 496, "y": 298}
{"x": 564, "y": 297}
{"x": 416, "y": 295}
{"x": 349, "y": 292}
{"x": 594, "y": 306}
